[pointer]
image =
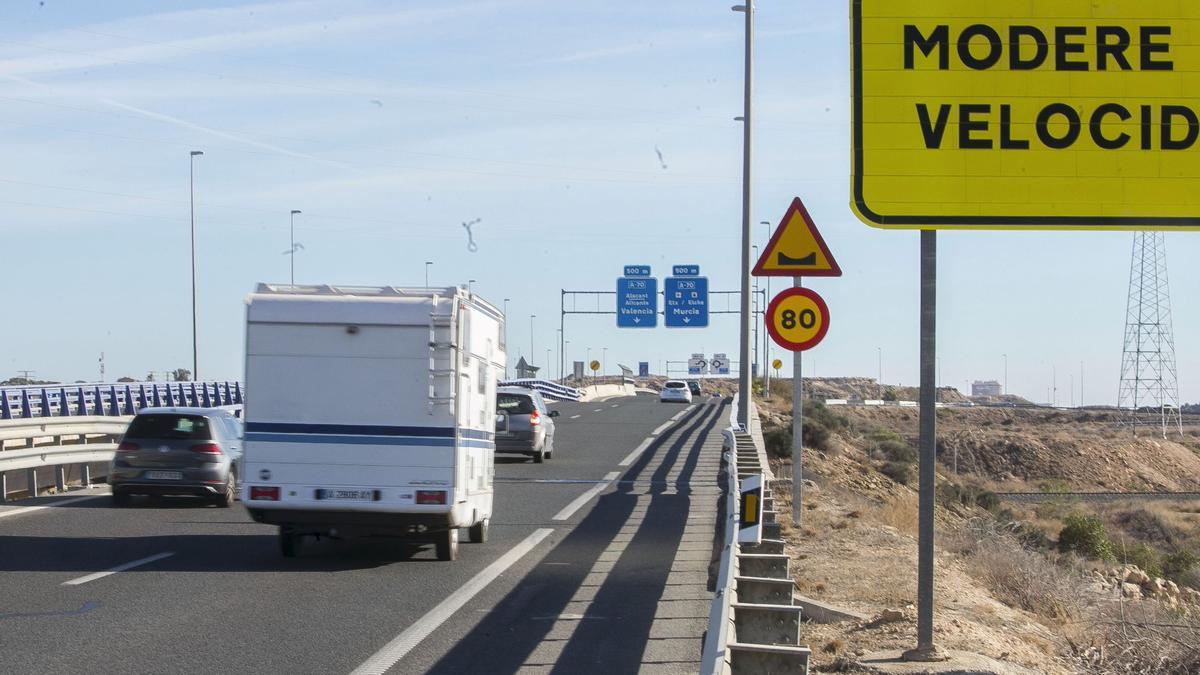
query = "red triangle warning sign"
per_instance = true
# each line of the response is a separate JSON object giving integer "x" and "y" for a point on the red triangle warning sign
{"x": 796, "y": 249}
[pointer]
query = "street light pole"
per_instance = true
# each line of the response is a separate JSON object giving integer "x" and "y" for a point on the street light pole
{"x": 427, "y": 264}
{"x": 531, "y": 318}
{"x": 1005, "y": 374}
{"x": 192, "y": 201}
{"x": 754, "y": 316}
{"x": 880, "y": 380}
{"x": 292, "y": 234}
{"x": 469, "y": 282}
{"x": 506, "y": 337}
{"x": 558, "y": 347}
{"x": 604, "y": 362}
{"x": 766, "y": 359}
{"x": 744, "y": 326}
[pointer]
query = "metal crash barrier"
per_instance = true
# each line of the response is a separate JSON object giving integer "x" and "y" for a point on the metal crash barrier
{"x": 753, "y": 626}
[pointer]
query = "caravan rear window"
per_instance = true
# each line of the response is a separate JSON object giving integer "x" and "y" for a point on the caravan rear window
{"x": 514, "y": 404}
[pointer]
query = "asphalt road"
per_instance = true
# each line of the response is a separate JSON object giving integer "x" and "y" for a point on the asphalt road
{"x": 213, "y": 594}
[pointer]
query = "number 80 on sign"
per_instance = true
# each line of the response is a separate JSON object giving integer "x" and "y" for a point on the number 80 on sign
{"x": 797, "y": 319}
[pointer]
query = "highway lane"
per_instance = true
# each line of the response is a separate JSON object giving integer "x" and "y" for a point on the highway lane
{"x": 224, "y": 599}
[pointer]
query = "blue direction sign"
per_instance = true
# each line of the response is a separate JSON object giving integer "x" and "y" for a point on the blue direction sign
{"x": 643, "y": 369}
{"x": 685, "y": 302}
{"x": 685, "y": 270}
{"x": 637, "y": 270}
{"x": 637, "y": 301}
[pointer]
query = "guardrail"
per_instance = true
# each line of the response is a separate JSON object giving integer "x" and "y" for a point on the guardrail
{"x": 754, "y": 625}
{"x": 115, "y": 400}
{"x": 548, "y": 389}
{"x": 57, "y": 442}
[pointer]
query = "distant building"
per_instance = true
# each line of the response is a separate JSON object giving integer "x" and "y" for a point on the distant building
{"x": 986, "y": 388}
{"x": 526, "y": 371}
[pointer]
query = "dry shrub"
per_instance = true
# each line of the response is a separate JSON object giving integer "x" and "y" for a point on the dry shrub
{"x": 834, "y": 646}
{"x": 1016, "y": 576}
{"x": 899, "y": 512}
{"x": 1137, "y": 637}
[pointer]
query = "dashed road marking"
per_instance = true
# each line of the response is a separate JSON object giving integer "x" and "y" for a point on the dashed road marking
{"x": 30, "y": 509}
{"x": 575, "y": 417}
{"x": 629, "y": 459}
{"x": 119, "y": 568}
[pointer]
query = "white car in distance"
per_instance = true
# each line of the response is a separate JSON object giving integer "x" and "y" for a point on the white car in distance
{"x": 675, "y": 391}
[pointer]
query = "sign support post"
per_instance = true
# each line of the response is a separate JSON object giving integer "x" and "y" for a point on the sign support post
{"x": 926, "y": 650}
{"x": 797, "y": 427}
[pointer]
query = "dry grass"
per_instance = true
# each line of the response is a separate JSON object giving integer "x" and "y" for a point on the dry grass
{"x": 899, "y": 512}
{"x": 1017, "y": 577}
{"x": 834, "y": 646}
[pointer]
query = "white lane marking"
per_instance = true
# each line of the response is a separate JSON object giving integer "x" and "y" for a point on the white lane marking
{"x": 681, "y": 413}
{"x": 119, "y": 568}
{"x": 412, "y": 636}
{"x": 575, "y": 417}
{"x": 598, "y": 410}
{"x": 570, "y": 509}
{"x": 30, "y": 509}
{"x": 615, "y": 405}
{"x": 666, "y": 425}
{"x": 629, "y": 459}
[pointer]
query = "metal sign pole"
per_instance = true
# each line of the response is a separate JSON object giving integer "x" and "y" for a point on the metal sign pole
{"x": 797, "y": 427}
{"x": 926, "y": 650}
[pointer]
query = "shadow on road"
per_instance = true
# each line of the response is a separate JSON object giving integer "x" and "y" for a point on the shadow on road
{"x": 612, "y": 635}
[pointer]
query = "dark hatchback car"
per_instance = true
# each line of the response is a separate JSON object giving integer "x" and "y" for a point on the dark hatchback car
{"x": 694, "y": 387}
{"x": 178, "y": 451}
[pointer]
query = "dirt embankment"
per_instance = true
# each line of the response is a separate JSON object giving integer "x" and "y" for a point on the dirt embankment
{"x": 1003, "y": 588}
{"x": 1015, "y": 449}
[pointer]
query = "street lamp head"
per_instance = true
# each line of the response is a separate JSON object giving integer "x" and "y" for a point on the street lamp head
{"x": 295, "y": 211}
{"x": 738, "y": 8}
{"x": 197, "y": 153}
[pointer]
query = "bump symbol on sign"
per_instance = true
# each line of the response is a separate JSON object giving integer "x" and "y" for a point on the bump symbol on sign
{"x": 797, "y": 249}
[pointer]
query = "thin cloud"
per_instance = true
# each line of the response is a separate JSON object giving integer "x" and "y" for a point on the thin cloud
{"x": 65, "y": 56}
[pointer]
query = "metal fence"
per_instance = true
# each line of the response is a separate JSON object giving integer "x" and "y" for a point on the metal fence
{"x": 113, "y": 400}
{"x": 548, "y": 389}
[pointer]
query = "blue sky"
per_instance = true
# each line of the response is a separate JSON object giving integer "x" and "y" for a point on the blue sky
{"x": 389, "y": 124}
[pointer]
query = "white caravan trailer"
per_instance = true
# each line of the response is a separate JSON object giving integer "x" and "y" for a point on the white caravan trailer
{"x": 371, "y": 412}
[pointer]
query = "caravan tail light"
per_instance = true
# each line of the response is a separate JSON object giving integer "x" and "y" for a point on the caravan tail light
{"x": 431, "y": 496}
{"x": 535, "y": 418}
{"x": 264, "y": 492}
{"x": 207, "y": 448}
{"x": 127, "y": 446}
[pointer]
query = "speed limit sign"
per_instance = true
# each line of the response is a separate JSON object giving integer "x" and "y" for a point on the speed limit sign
{"x": 797, "y": 319}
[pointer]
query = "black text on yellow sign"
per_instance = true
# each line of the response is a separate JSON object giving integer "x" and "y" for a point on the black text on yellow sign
{"x": 796, "y": 248}
{"x": 1056, "y": 115}
{"x": 797, "y": 319}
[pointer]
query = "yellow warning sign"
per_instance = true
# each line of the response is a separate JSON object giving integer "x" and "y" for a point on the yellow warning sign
{"x": 796, "y": 249}
{"x": 1063, "y": 114}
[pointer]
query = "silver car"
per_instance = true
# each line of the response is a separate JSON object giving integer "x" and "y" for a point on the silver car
{"x": 523, "y": 423}
{"x": 178, "y": 451}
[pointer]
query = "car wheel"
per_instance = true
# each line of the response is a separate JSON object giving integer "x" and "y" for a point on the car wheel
{"x": 289, "y": 542}
{"x": 539, "y": 455}
{"x": 120, "y": 497}
{"x": 447, "y": 544}
{"x": 550, "y": 451}
{"x": 228, "y": 493}
{"x": 479, "y": 531}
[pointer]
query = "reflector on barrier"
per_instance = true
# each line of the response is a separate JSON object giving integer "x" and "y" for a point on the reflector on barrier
{"x": 751, "y": 511}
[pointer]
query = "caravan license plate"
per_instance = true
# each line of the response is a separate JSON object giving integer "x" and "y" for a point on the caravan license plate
{"x": 348, "y": 495}
{"x": 164, "y": 475}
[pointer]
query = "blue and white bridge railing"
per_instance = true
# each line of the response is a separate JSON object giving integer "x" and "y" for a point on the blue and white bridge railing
{"x": 114, "y": 400}
{"x": 548, "y": 389}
